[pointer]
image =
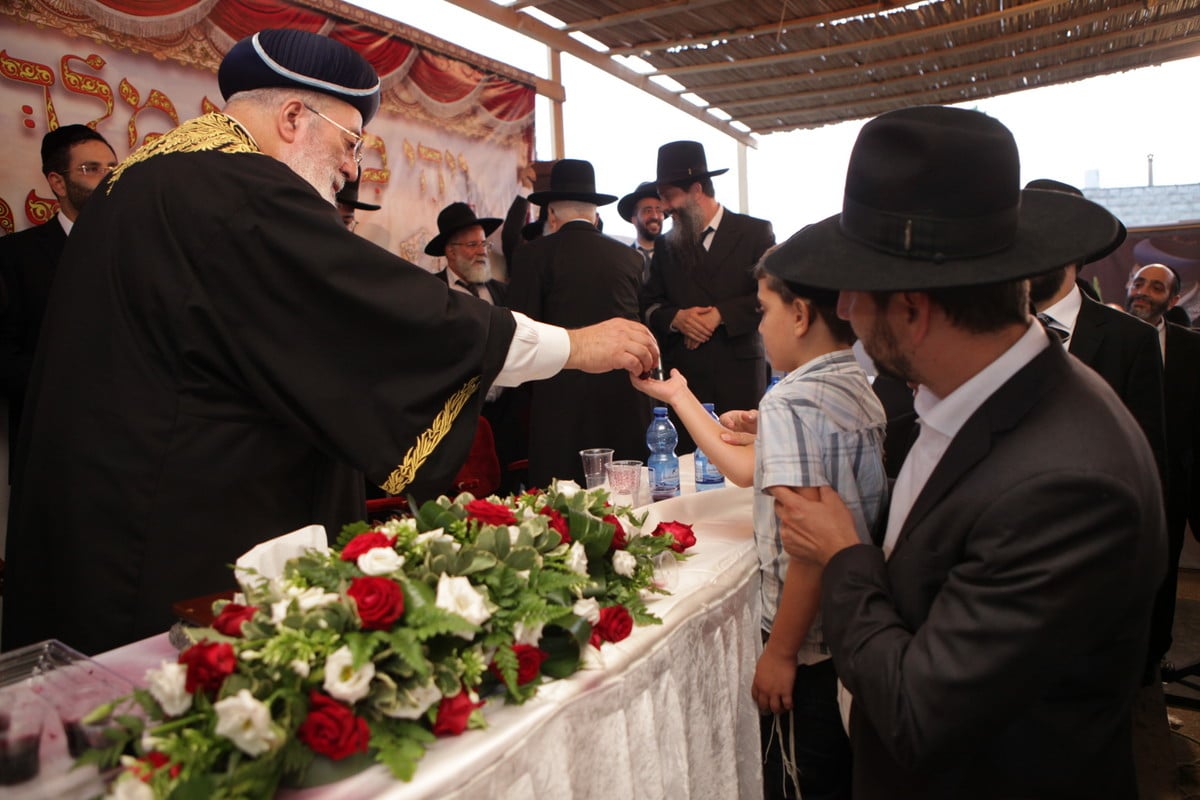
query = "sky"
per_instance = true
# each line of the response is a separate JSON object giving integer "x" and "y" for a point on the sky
{"x": 1093, "y": 132}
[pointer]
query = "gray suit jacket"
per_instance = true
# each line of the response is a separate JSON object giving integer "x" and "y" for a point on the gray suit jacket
{"x": 996, "y": 653}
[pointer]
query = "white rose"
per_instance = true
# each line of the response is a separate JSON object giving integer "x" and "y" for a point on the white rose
{"x": 129, "y": 787}
{"x": 624, "y": 563}
{"x": 429, "y": 536}
{"x": 343, "y": 681}
{"x": 460, "y": 597}
{"x": 513, "y": 533}
{"x": 246, "y": 721}
{"x": 412, "y": 703}
{"x": 380, "y": 561}
{"x": 312, "y": 597}
{"x": 300, "y": 667}
{"x": 567, "y": 488}
{"x": 527, "y": 634}
{"x": 168, "y": 685}
{"x": 577, "y": 560}
{"x": 395, "y": 527}
{"x": 588, "y": 609}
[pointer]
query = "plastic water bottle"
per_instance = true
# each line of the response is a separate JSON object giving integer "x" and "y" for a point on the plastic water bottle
{"x": 707, "y": 474}
{"x": 661, "y": 438}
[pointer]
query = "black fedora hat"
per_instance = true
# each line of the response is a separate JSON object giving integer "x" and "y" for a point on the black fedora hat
{"x": 349, "y": 196}
{"x": 628, "y": 204}
{"x": 683, "y": 161}
{"x": 933, "y": 200}
{"x": 572, "y": 179}
{"x": 295, "y": 59}
{"x": 452, "y": 219}
{"x": 1051, "y": 185}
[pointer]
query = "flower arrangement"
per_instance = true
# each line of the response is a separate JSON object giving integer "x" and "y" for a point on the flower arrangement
{"x": 373, "y": 649}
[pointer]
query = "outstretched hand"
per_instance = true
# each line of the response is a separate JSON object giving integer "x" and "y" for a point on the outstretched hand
{"x": 666, "y": 391}
{"x": 741, "y": 427}
{"x": 613, "y": 344}
{"x": 814, "y": 530}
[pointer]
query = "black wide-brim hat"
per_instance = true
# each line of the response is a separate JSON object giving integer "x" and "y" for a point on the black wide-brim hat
{"x": 294, "y": 59}
{"x": 628, "y": 204}
{"x": 572, "y": 179}
{"x": 683, "y": 161}
{"x": 349, "y": 196}
{"x": 452, "y": 219}
{"x": 1051, "y": 185}
{"x": 933, "y": 200}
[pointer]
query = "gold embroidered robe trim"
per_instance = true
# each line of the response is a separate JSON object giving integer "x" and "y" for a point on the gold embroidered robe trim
{"x": 215, "y": 131}
{"x": 428, "y": 441}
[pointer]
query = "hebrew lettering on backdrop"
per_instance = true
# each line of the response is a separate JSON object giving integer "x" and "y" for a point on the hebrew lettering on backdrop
{"x": 39, "y": 209}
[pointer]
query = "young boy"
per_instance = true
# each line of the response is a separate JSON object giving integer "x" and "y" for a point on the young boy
{"x": 820, "y": 425}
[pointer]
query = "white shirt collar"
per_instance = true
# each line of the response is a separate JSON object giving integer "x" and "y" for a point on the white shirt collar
{"x": 947, "y": 415}
{"x": 67, "y": 224}
{"x": 1066, "y": 311}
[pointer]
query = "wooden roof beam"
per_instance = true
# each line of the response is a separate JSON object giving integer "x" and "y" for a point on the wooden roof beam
{"x": 560, "y": 40}
{"x": 936, "y": 32}
{"x": 1050, "y": 52}
{"x": 639, "y": 15}
{"x": 953, "y": 94}
{"x": 811, "y": 21}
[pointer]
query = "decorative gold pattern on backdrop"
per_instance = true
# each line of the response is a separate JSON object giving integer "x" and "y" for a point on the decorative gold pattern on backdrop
{"x": 428, "y": 441}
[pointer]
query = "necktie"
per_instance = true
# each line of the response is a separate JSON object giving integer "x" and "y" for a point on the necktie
{"x": 704, "y": 236}
{"x": 1051, "y": 324}
{"x": 473, "y": 288}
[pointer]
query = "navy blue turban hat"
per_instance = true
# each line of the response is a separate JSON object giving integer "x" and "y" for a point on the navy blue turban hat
{"x": 292, "y": 59}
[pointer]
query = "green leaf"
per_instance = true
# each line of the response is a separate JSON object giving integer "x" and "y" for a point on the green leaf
{"x": 522, "y": 558}
{"x": 348, "y": 532}
{"x": 562, "y": 653}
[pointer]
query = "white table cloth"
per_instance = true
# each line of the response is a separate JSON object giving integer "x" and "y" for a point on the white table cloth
{"x": 668, "y": 715}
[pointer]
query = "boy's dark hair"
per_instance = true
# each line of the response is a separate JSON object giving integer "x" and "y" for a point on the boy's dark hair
{"x": 822, "y": 302}
{"x": 57, "y": 144}
{"x": 985, "y": 308}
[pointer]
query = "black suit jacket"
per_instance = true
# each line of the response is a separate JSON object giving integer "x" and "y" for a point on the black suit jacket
{"x": 28, "y": 263}
{"x": 998, "y": 650}
{"x": 499, "y": 289}
{"x": 572, "y": 278}
{"x": 1125, "y": 351}
{"x": 729, "y": 369}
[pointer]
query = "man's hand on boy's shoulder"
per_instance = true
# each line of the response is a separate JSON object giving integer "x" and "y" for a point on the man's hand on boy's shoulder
{"x": 814, "y": 530}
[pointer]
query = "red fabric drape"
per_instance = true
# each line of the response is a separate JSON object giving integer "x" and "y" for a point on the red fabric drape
{"x": 444, "y": 79}
{"x": 149, "y": 8}
{"x": 240, "y": 18}
{"x": 386, "y": 53}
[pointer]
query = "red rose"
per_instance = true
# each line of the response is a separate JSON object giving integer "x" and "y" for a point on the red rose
{"x": 529, "y": 663}
{"x": 380, "y": 601}
{"x": 618, "y": 540}
{"x": 232, "y": 617}
{"x": 453, "y": 713}
{"x": 208, "y": 665}
{"x": 364, "y": 542}
{"x": 490, "y": 513}
{"x": 614, "y": 625}
{"x": 558, "y": 522}
{"x": 332, "y": 729}
{"x": 144, "y": 768}
{"x": 684, "y": 538}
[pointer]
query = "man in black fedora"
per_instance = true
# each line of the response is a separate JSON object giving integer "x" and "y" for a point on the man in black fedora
{"x": 348, "y": 203}
{"x": 571, "y": 275}
{"x": 247, "y": 360}
{"x": 995, "y": 640}
{"x": 643, "y": 209}
{"x": 701, "y": 299}
{"x": 463, "y": 239}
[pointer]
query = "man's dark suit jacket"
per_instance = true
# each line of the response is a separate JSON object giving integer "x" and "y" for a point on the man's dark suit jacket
{"x": 499, "y": 289}
{"x": 1181, "y": 377}
{"x": 1124, "y": 350}
{"x": 28, "y": 262}
{"x": 572, "y": 278}
{"x": 729, "y": 369}
{"x": 997, "y": 652}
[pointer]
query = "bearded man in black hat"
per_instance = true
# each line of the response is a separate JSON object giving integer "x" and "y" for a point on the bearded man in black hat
{"x": 244, "y": 358}
{"x": 701, "y": 299}
{"x": 575, "y": 275}
{"x": 994, "y": 643}
{"x": 463, "y": 239}
{"x": 348, "y": 204}
{"x": 643, "y": 209}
